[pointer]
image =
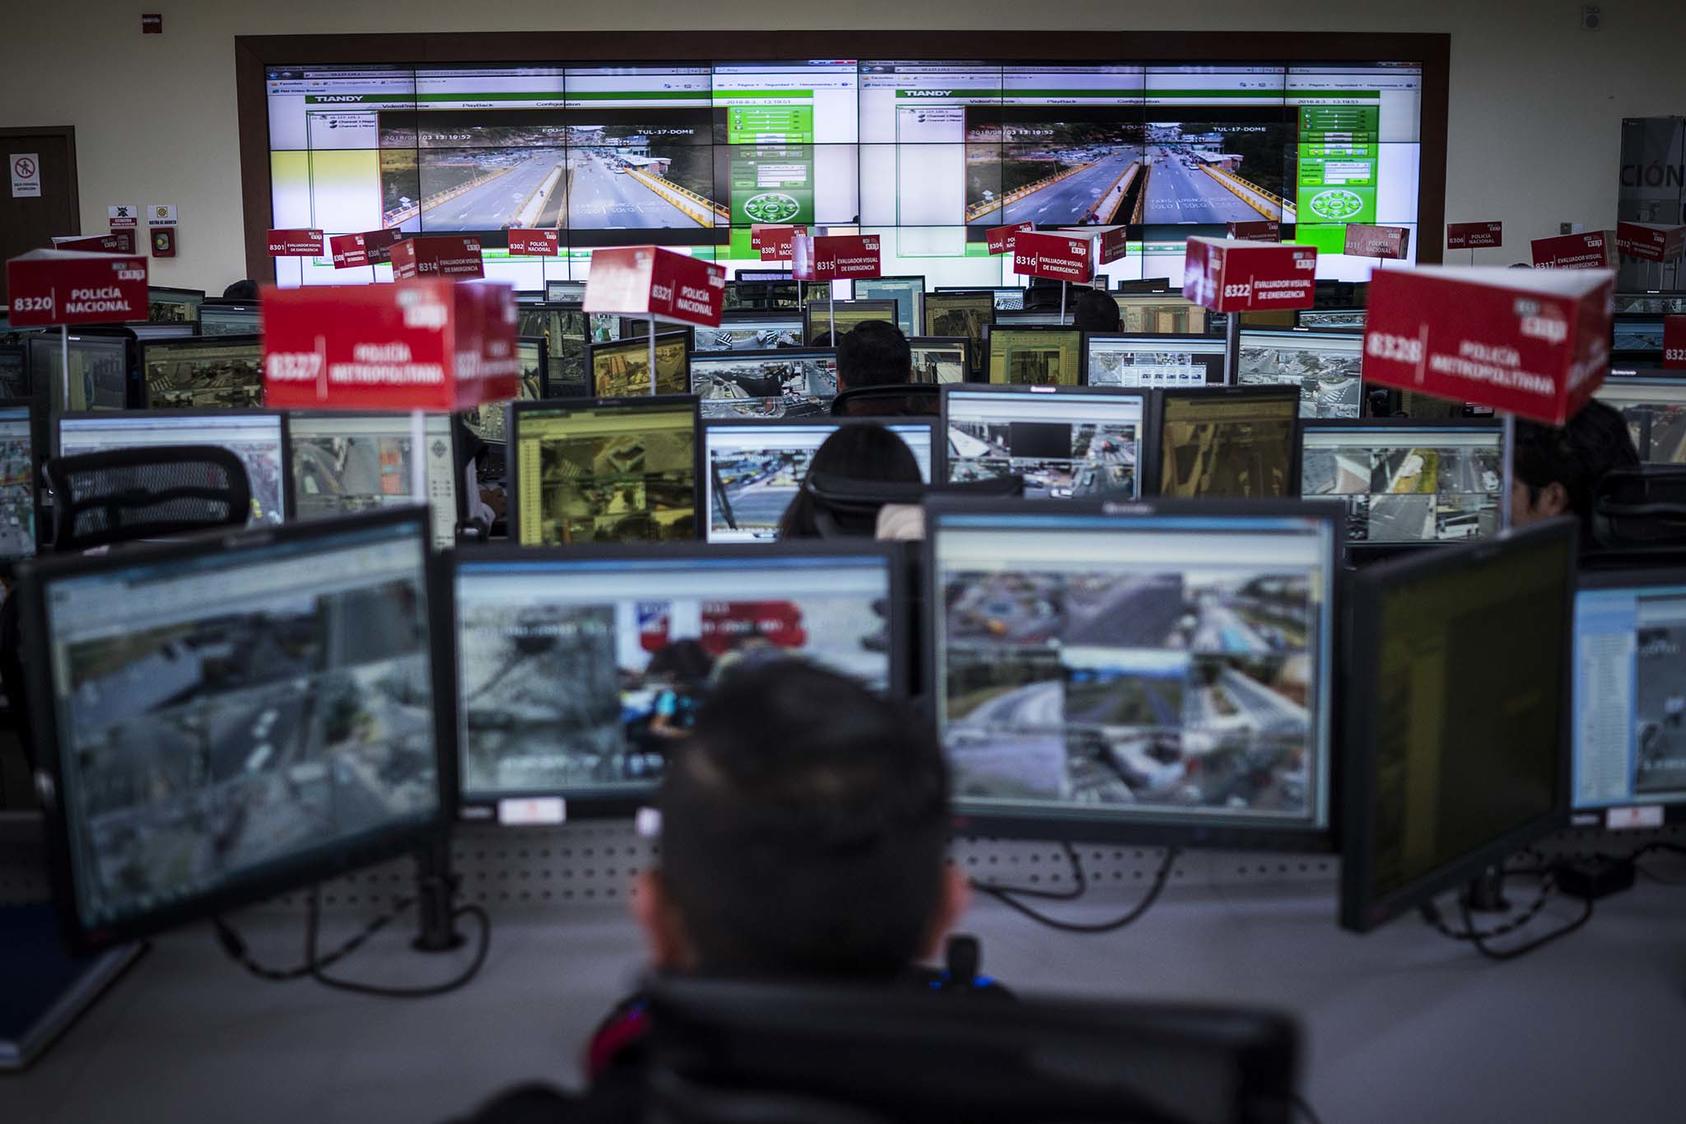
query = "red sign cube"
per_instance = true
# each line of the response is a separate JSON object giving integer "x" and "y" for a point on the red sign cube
{"x": 830, "y": 257}
{"x": 295, "y": 243}
{"x": 1366, "y": 241}
{"x": 1674, "y": 341}
{"x": 437, "y": 255}
{"x": 773, "y": 240}
{"x": 1474, "y": 235}
{"x": 535, "y": 243}
{"x": 1593, "y": 250}
{"x": 1650, "y": 241}
{"x": 1062, "y": 257}
{"x": 1000, "y": 239}
{"x": 660, "y": 284}
{"x": 1230, "y": 275}
{"x": 46, "y": 287}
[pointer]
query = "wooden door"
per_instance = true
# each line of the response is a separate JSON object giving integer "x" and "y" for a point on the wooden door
{"x": 30, "y": 222}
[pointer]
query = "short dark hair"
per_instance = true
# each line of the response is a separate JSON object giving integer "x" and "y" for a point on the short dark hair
{"x": 243, "y": 290}
{"x": 1577, "y": 456}
{"x": 862, "y": 451}
{"x": 1094, "y": 311}
{"x": 873, "y": 353}
{"x": 804, "y": 827}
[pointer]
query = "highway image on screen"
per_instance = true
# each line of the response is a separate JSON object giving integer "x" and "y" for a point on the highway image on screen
{"x": 624, "y": 371}
{"x": 620, "y": 487}
{"x": 764, "y": 386}
{"x": 17, "y": 488}
{"x": 1058, "y": 459}
{"x": 187, "y": 378}
{"x": 1147, "y": 690}
{"x": 1407, "y": 492}
{"x": 750, "y": 335}
{"x": 566, "y": 691}
{"x": 1224, "y": 449}
{"x": 1329, "y": 375}
{"x": 236, "y": 736}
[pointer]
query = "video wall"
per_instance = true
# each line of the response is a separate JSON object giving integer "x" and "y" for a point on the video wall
{"x": 928, "y": 155}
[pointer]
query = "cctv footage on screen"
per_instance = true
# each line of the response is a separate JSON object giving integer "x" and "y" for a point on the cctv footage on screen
{"x": 575, "y": 680}
{"x": 218, "y": 718}
{"x": 1189, "y": 686}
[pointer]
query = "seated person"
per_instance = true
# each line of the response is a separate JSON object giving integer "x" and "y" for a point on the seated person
{"x": 873, "y": 353}
{"x": 804, "y": 834}
{"x": 857, "y": 452}
{"x": 1557, "y": 470}
{"x": 1092, "y": 310}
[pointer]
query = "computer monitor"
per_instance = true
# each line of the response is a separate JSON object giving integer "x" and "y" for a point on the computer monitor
{"x": 1035, "y": 356}
{"x": 1065, "y": 443}
{"x": 1112, "y": 359}
{"x": 1629, "y": 768}
{"x": 566, "y": 330}
{"x": 1156, "y": 314}
{"x": 566, "y": 292}
{"x": 1655, "y": 409}
{"x": 1038, "y": 317}
{"x": 202, "y": 372}
{"x": 603, "y": 470}
{"x": 1349, "y": 318}
{"x": 784, "y": 383}
{"x": 100, "y": 371}
{"x": 231, "y": 716}
{"x": 1406, "y": 483}
{"x": 171, "y": 330}
{"x": 257, "y": 437}
{"x": 223, "y": 318}
{"x": 1457, "y": 704}
{"x": 907, "y": 292}
{"x": 783, "y": 295}
{"x": 1147, "y": 285}
{"x": 1326, "y": 367}
{"x": 349, "y": 462}
{"x": 1155, "y": 673}
{"x": 941, "y": 360}
{"x": 1226, "y": 442}
{"x": 19, "y": 508}
{"x": 1634, "y": 334}
{"x": 173, "y": 306}
{"x": 753, "y": 469}
{"x": 622, "y": 369}
{"x": 1655, "y": 304}
{"x": 966, "y": 314}
{"x": 1004, "y": 298}
{"x": 755, "y": 276}
{"x": 532, "y": 355}
{"x": 751, "y": 331}
{"x": 577, "y": 671}
{"x": 817, "y": 318}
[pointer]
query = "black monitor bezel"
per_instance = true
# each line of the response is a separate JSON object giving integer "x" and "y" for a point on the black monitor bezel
{"x": 231, "y": 341}
{"x": 228, "y": 304}
{"x": 512, "y": 471}
{"x": 548, "y": 299}
{"x": 918, "y": 293}
{"x": 134, "y": 386}
{"x": 1147, "y": 437}
{"x": 633, "y": 344}
{"x": 932, "y": 343}
{"x": 388, "y": 843}
{"x": 1037, "y": 329}
{"x": 1311, "y": 839}
{"x": 808, "y": 307}
{"x": 1172, "y": 341}
{"x": 1167, "y": 394}
{"x": 473, "y": 807}
{"x": 544, "y": 362}
{"x": 211, "y": 414}
{"x": 1360, "y": 909}
{"x": 37, "y": 510}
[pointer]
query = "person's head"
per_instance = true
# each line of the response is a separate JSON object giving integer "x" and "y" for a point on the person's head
{"x": 683, "y": 661}
{"x": 804, "y": 830}
{"x": 873, "y": 353}
{"x": 1557, "y": 470}
{"x": 1095, "y": 311}
{"x": 246, "y": 290}
{"x": 858, "y": 451}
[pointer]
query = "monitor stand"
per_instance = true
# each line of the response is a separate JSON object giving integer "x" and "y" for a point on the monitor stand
{"x": 436, "y": 899}
{"x": 1485, "y": 893}
{"x": 46, "y": 988}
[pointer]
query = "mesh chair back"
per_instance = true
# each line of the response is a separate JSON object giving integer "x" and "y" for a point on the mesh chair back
{"x": 124, "y": 495}
{"x": 1640, "y": 507}
{"x": 898, "y": 400}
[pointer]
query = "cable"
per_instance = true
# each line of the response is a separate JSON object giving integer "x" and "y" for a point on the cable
{"x": 1481, "y": 946}
{"x": 235, "y": 946}
{"x": 313, "y": 920}
{"x": 1431, "y": 914}
{"x": 1160, "y": 878}
{"x": 1080, "y": 883}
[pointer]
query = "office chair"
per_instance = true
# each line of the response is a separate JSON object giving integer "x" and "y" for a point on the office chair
{"x": 845, "y": 507}
{"x": 124, "y": 495}
{"x": 1638, "y": 517}
{"x": 897, "y": 400}
{"x": 726, "y": 1052}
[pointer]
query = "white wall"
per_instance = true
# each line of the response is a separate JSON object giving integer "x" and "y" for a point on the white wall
{"x": 1536, "y": 102}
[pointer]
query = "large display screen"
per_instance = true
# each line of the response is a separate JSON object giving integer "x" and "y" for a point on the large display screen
{"x": 927, "y": 154}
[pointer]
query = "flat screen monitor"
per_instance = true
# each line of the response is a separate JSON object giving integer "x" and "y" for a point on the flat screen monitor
{"x": 757, "y": 276}
{"x": 1350, "y": 318}
{"x": 227, "y": 718}
{"x": 1655, "y": 304}
{"x": 578, "y": 671}
{"x": 219, "y": 319}
{"x": 1159, "y": 360}
{"x": 751, "y": 331}
{"x": 1326, "y": 367}
{"x": 1633, "y": 333}
{"x": 202, "y": 372}
{"x": 1035, "y": 356}
{"x": 1227, "y": 441}
{"x": 1067, "y": 444}
{"x": 532, "y": 357}
{"x": 784, "y": 383}
{"x": 940, "y": 359}
{"x": 1404, "y": 482}
{"x": 743, "y": 295}
{"x": 752, "y": 470}
{"x": 622, "y": 369}
{"x": 817, "y": 318}
{"x": 99, "y": 371}
{"x": 907, "y": 292}
{"x": 1157, "y": 673}
{"x": 173, "y": 306}
{"x": 1457, "y": 704}
{"x": 566, "y": 292}
{"x": 171, "y": 330}
{"x": 603, "y": 470}
{"x": 964, "y": 314}
{"x": 19, "y": 513}
{"x": 348, "y": 462}
{"x": 1039, "y": 317}
{"x": 1654, "y": 407}
{"x": 566, "y": 331}
{"x": 257, "y": 437}
{"x": 1154, "y": 314}
{"x": 1630, "y": 699}
{"x": 14, "y": 369}
{"x": 1006, "y": 298}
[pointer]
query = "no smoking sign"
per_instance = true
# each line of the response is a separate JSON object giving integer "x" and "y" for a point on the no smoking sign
{"x": 26, "y": 175}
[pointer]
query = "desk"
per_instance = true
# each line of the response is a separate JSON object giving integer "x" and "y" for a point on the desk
{"x": 1401, "y": 1025}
